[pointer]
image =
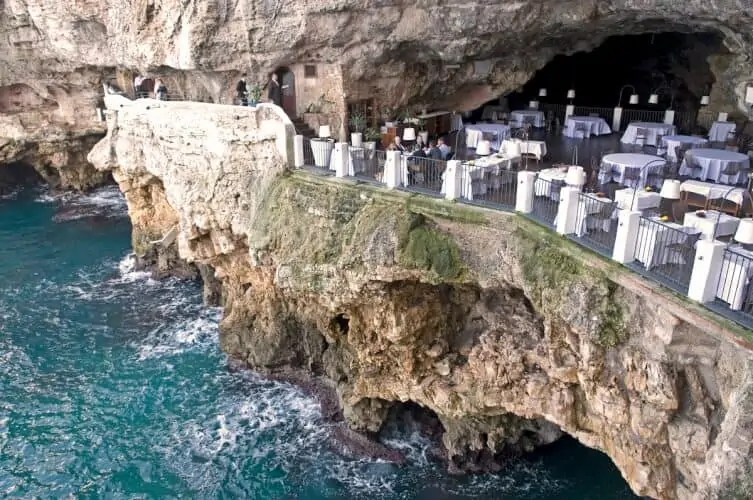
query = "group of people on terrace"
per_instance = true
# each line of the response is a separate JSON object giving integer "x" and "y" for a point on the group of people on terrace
{"x": 250, "y": 95}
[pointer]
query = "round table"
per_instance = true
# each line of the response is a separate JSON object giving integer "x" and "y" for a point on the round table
{"x": 712, "y": 162}
{"x": 613, "y": 167}
{"x": 672, "y": 142}
{"x": 652, "y": 131}
{"x": 594, "y": 125}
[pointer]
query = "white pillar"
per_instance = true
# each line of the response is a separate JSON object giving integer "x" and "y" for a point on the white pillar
{"x": 567, "y": 211}
{"x": 707, "y": 267}
{"x": 341, "y": 157}
{"x": 669, "y": 117}
{"x": 524, "y": 198}
{"x": 392, "y": 169}
{"x": 569, "y": 111}
{"x": 453, "y": 180}
{"x": 627, "y": 235}
{"x": 616, "y": 119}
{"x": 298, "y": 151}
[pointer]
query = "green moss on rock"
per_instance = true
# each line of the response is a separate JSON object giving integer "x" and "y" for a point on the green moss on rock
{"x": 427, "y": 249}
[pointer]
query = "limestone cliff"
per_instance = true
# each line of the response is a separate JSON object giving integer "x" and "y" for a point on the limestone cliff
{"x": 54, "y": 55}
{"x": 508, "y": 333}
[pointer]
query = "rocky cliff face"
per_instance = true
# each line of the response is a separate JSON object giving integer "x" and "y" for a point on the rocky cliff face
{"x": 508, "y": 334}
{"x": 54, "y": 55}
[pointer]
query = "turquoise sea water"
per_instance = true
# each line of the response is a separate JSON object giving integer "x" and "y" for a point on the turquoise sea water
{"x": 112, "y": 386}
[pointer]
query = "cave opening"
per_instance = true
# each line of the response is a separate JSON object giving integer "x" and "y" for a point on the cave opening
{"x": 675, "y": 66}
{"x": 18, "y": 174}
{"x": 341, "y": 323}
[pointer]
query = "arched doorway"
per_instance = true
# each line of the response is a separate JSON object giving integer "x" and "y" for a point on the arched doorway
{"x": 287, "y": 82}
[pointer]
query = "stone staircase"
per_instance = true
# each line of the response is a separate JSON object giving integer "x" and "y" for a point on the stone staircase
{"x": 303, "y": 129}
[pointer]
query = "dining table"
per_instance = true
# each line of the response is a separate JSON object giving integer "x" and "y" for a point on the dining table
{"x": 708, "y": 164}
{"x": 653, "y": 132}
{"x": 672, "y": 142}
{"x": 593, "y": 125}
{"x": 711, "y": 223}
{"x": 614, "y": 166}
{"x": 519, "y": 117}
{"x": 498, "y": 132}
{"x": 720, "y": 131}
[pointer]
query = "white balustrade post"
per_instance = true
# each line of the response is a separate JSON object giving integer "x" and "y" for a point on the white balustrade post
{"x": 392, "y": 169}
{"x": 341, "y": 157}
{"x": 626, "y": 238}
{"x": 616, "y": 119}
{"x": 526, "y": 187}
{"x": 298, "y": 160}
{"x": 569, "y": 111}
{"x": 707, "y": 267}
{"x": 669, "y": 117}
{"x": 567, "y": 211}
{"x": 452, "y": 182}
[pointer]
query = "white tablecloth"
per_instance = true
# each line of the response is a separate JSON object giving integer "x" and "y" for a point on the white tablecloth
{"x": 641, "y": 200}
{"x": 474, "y": 133}
{"x": 545, "y": 180}
{"x": 737, "y": 270}
{"x": 652, "y": 130}
{"x": 473, "y": 178}
{"x": 720, "y": 130}
{"x": 711, "y": 191}
{"x": 613, "y": 167}
{"x": 594, "y": 126}
{"x": 713, "y": 161}
{"x": 672, "y": 142}
{"x": 536, "y": 148}
{"x": 519, "y": 116}
{"x": 653, "y": 239}
{"x": 713, "y": 223}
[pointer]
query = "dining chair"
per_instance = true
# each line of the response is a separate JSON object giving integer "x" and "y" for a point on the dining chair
{"x": 606, "y": 210}
{"x": 731, "y": 169}
{"x": 679, "y": 209}
{"x": 632, "y": 175}
{"x": 686, "y": 249}
{"x": 641, "y": 136}
{"x": 582, "y": 128}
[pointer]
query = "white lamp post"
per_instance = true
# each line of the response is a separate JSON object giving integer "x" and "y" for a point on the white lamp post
{"x": 705, "y": 100}
{"x": 542, "y": 92}
{"x": 670, "y": 189}
{"x": 571, "y": 94}
{"x": 633, "y": 96}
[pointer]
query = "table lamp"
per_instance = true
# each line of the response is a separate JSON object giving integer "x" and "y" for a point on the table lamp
{"x": 542, "y": 92}
{"x": 324, "y": 132}
{"x": 409, "y": 134}
{"x": 670, "y": 189}
{"x": 484, "y": 148}
{"x": 634, "y": 99}
{"x": 575, "y": 177}
{"x": 744, "y": 233}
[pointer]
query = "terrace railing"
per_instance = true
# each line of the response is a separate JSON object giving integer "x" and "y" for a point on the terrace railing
{"x": 665, "y": 252}
{"x": 734, "y": 292}
{"x": 641, "y": 115}
{"x": 596, "y": 224}
{"x": 423, "y": 175}
{"x": 365, "y": 163}
{"x": 546, "y": 200}
{"x": 316, "y": 159}
{"x": 481, "y": 186}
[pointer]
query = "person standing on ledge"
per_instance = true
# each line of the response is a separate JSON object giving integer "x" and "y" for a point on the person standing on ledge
{"x": 137, "y": 83}
{"x": 274, "y": 93}
{"x": 242, "y": 90}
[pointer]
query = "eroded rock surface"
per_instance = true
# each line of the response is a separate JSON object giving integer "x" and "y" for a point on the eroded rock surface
{"x": 54, "y": 55}
{"x": 506, "y": 333}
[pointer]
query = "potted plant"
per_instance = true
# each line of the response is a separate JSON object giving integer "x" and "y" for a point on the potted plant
{"x": 357, "y": 126}
{"x": 254, "y": 95}
{"x": 322, "y": 148}
{"x": 371, "y": 136}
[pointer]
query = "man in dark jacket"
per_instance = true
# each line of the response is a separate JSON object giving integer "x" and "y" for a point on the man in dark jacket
{"x": 273, "y": 90}
{"x": 242, "y": 90}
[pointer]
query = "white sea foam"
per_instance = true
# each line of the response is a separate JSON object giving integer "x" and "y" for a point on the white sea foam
{"x": 106, "y": 202}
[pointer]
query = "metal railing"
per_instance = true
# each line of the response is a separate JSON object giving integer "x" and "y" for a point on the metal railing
{"x": 665, "y": 252}
{"x": 596, "y": 224}
{"x": 365, "y": 163}
{"x": 605, "y": 113}
{"x": 546, "y": 200}
{"x": 423, "y": 174}
{"x": 488, "y": 186}
{"x": 630, "y": 115}
{"x": 317, "y": 156}
{"x": 734, "y": 294}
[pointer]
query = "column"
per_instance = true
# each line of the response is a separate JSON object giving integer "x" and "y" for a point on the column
{"x": 669, "y": 117}
{"x": 526, "y": 185}
{"x": 567, "y": 211}
{"x": 707, "y": 267}
{"x": 452, "y": 182}
{"x": 392, "y": 169}
{"x": 569, "y": 111}
{"x": 341, "y": 157}
{"x": 616, "y": 119}
{"x": 627, "y": 235}
{"x": 298, "y": 161}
